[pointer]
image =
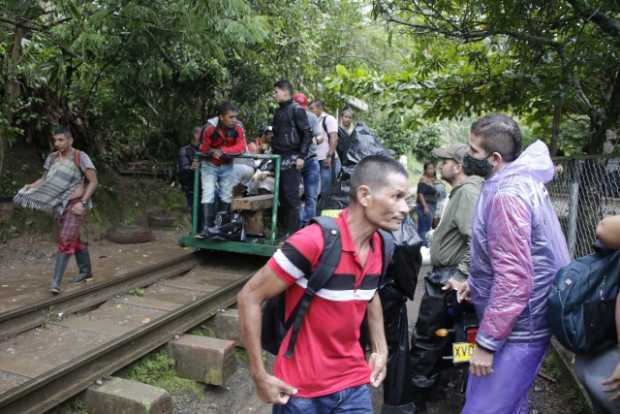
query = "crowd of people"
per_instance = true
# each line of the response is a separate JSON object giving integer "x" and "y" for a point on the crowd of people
{"x": 301, "y": 132}
{"x": 497, "y": 244}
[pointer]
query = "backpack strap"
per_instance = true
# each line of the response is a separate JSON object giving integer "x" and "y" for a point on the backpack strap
{"x": 388, "y": 251}
{"x": 324, "y": 124}
{"x": 328, "y": 262}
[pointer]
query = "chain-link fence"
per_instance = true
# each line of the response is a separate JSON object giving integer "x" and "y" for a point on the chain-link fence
{"x": 585, "y": 190}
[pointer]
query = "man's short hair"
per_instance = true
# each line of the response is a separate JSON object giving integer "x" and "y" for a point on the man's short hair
{"x": 63, "y": 131}
{"x": 373, "y": 171}
{"x": 225, "y": 107}
{"x": 284, "y": 84}
{"x": 318, "y": 103}
{"x": 500, "y": 133}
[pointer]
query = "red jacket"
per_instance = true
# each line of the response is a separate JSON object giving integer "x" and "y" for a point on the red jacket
{"x": 230, "y": 141}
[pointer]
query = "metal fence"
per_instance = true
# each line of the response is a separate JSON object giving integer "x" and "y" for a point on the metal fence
{"x": 584, "y": 190}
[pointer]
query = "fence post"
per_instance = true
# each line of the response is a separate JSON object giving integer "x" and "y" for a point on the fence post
{"x": 573, "y": 204}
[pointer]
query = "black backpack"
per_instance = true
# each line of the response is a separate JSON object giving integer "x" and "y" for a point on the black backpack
{"x": 583, "y": 300}
{"x": 274, "y": 325}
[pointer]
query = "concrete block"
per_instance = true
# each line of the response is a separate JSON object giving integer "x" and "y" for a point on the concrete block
{"x": 204, "y": 359}
{"x": 119, "y": 395}
{"x": 227, "y": 325}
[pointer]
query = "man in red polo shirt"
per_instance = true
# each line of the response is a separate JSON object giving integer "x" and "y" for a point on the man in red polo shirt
{"x": 327, "y": 372}
{"x": 220, "y": 142}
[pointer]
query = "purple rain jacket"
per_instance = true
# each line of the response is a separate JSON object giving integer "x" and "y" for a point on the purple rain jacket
{"x": 517, "y": 248}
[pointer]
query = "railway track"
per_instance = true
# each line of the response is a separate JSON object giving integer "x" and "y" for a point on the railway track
{"x": 30, "y": 316}
{"x": 42, "y": 367}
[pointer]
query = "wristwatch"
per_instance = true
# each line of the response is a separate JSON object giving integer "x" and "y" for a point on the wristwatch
{"x": 84, "y": 203}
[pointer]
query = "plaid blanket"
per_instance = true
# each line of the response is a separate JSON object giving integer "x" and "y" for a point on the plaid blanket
{"x": 53, "y": 194}
{"x": 69, "y": 225}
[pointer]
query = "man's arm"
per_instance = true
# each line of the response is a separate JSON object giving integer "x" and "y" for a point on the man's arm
{"x": 608, "y": 232}
{"x": 205, "y": 139}
{"x": 332, "y": 133}
{"x": 464, "y": 218}
{"x": 303, "y": 126}
{"x": 261, "y": 287}
{"x": 91, "y": 176}
{"x": 509, "y": 237}
{"x": 378, "y": 359}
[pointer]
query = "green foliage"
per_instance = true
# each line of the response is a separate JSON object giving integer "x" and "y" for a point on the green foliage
{"x": 533, "y": 59}
{"x": 157, "y": 369}
{"x": 133, "y": 78}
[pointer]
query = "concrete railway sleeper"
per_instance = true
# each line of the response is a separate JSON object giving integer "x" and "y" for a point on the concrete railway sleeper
{"x": 30, "y": 316}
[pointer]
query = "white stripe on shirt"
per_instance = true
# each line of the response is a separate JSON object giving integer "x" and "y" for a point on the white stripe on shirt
{"x": 287, "y": 265}
{"x": 340, "y": 295}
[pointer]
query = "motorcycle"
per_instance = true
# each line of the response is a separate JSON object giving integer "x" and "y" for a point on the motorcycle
{"x": 461, "y": 336}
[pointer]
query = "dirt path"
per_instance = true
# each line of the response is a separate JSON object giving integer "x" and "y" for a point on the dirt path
{"x": 27, "y": 264}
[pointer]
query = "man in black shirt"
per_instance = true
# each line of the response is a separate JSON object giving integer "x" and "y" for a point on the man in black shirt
{"x": 186, "y": 166}
{"x": 292, "y": 136}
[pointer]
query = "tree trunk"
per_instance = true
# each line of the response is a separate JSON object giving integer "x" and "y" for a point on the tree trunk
{"x": 12, "y": 93}
{"x": 603, "y": 119}
{"x": 555, "y": 129}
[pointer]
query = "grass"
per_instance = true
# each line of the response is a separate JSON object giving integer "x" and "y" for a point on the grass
{"x": 139, "y": 292}
{"x": 75, "y": 405}
{"x": 157, "y": 369}
{"x": 203, "y": 330}
{"x": 553, "y": 367}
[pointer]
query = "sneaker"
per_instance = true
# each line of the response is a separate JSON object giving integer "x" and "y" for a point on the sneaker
{"x": 55, "y": 290}
{"x": 82, "y": 278}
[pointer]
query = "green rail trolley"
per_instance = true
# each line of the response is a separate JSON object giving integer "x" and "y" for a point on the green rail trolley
{"x": 264, "y": 245}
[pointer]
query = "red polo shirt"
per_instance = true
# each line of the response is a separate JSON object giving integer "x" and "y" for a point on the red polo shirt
{"x": 230, "y": 140}
{"x": 328, "y": 356}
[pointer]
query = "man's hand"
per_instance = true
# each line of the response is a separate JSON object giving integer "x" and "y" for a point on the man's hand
{"x": 299, "y": 163}
{"x": 272, "y": 390}
{"x": 78, "y": 209}
{"x": 217, "y": 154}
{"x": 462, "y": 289}
{"x": 612, "y": 384}
{"x": 328, "y": 161}
{"x": 195, "y": 165}
{"x": 378, "y": 367}
{"x": 481, "y": 362}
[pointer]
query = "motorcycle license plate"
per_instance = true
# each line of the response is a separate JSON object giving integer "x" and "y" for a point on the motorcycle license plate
{"x": 461, "y": 352}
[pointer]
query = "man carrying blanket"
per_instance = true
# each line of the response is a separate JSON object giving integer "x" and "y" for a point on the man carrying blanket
{"x": 64, "y": 191}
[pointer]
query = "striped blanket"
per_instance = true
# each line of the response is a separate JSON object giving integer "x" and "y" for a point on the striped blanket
{"x": 52, "y": 195}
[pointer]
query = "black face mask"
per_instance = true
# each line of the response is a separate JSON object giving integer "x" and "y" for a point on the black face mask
{"x": 474, "y": 166}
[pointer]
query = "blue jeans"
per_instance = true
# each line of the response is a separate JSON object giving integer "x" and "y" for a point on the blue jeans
{"x": 355, "y": 400}
{"x": 425, "y": 221}
{"x": 311, "y": 176}
{"x": 216, "y": 178}
{"x": 326, "y": 175}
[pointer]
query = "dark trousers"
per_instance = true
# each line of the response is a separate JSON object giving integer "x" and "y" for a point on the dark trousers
{"x": 426, "y": 346}
{"x": 288, "y": 212}
{"x": 189, "y": 198}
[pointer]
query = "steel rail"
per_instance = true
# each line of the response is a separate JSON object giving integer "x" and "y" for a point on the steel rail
{"x": 30, "y": 316}
{"x": 47, "y": 391}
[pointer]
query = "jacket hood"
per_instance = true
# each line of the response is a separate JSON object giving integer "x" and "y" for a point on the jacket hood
{"x": 534, "y": 161}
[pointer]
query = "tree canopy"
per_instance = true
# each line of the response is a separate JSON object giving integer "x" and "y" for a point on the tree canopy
{"x": 131, "y": 78}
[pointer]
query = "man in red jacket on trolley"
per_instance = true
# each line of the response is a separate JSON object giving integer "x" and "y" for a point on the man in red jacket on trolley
{"x": 220, "y": 143}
